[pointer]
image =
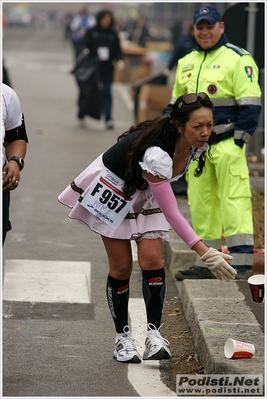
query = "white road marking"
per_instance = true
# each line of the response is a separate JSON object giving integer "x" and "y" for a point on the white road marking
{"x": 31, "y": 66}
{"x": 69, "y": 282}
{"x": 134, "y": 250}
{"x": 124, "y": 94}
{"x": 47, "y": 281}
{"x": 144, "y": 377}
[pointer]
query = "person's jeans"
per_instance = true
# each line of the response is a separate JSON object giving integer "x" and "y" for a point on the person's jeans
{"x": 107, "y": 100}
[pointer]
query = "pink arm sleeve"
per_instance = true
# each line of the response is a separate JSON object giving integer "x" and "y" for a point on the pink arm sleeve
{"x": 165, "y": 197}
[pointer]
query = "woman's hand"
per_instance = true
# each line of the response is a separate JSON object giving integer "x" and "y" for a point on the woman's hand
{"x": 216, "y": 262}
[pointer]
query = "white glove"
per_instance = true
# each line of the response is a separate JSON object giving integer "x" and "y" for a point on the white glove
{"x": 120, "y": 65}
{"x": 86, "y": 51}
{"x": 166, "y": 72}
{"x": 217, "y": 264}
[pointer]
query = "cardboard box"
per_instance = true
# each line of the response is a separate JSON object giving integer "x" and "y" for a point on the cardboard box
{"x": 162, "y": 46}
{"x": 131, "y": 74}
{"x": 152, "y": 100}
{"x": 124, "y": 75}
{"x": 137, "y": 73}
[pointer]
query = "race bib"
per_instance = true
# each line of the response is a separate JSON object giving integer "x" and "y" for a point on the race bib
{"x": 103, "y": 53}
{"x": 106, "y": 200}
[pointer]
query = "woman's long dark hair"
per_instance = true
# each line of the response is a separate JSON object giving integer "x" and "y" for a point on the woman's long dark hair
{"x": 161, "y": 131}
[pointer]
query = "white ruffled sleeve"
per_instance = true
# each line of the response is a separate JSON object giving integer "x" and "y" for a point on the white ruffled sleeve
{"x": 157, "y": 162}
{"x": 200, "y": 150}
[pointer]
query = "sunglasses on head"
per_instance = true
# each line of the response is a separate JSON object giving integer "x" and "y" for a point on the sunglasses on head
{"x": 192, "y": 98}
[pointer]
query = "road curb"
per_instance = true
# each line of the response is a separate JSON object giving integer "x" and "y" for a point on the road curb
{"x": 215, "y": 311}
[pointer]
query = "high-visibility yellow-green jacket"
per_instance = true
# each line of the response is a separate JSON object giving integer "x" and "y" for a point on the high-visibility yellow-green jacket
{"x": 229, "y": 75}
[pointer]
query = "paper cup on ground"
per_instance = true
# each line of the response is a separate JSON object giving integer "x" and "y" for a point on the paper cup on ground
{"x": 256, "y": 284}
{"x": 234, "y": 349}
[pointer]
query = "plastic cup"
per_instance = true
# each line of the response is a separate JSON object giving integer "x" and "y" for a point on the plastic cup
{"x": 234, "y": 349}
{"x": 256, "y": 284}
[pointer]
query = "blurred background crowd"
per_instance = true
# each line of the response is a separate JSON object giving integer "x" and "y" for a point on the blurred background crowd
{"x": 141, "y": 22}
{"x": 148, "y": 33}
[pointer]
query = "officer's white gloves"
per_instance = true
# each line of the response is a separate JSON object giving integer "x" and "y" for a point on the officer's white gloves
{"x": 216, "y": 262}
{"x": 120, "y": 65}
{"x": 166, "y": 72}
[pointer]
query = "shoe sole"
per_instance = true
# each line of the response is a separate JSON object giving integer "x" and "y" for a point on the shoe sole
{"x": 160, "y": 355}
{"x": 134, "y": 359}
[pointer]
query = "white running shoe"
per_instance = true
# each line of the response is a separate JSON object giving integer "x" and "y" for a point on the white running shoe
{"x": 156, "y": 345}
{"x": 125, "y": 349}
{"x": 110, "y": 124}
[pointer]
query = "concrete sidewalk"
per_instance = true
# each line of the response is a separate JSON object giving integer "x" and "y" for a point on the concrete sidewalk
{"x": 215, "y": 311}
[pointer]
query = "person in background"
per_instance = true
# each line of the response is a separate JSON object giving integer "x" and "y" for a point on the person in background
{"x": 183, "y": 45}
{"x": 78, "y": 26}
{"x": 66, "y": 21}
{"x": 176, "y": 31}
{"x": 138, "y": 31}
{"x": 102, "y": 41}
{"x": 125, "y": 195}
{"x": 220, "y": 200}
{"x": 86, "y": 73}
{"x": 14, "y": 140}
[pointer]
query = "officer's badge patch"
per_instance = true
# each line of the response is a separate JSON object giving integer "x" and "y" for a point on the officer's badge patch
{"x": 249, "y": 72}
{"x": 188, "y": 67}
{"x": 212, "y": 89}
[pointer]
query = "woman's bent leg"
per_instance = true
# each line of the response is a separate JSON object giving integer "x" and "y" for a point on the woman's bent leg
{"x": 119, "y": 254}
{"x": 154, "y": 285}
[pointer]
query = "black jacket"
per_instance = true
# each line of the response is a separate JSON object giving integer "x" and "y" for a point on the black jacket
{"x": 107, "y": 40}
{"x": 183, "y": 46}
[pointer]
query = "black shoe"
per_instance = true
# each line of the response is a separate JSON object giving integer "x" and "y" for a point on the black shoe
{"x": 244, "y": 275}
{"x": 195, "y": 272}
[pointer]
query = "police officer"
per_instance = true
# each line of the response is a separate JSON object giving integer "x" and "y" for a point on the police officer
{"x": 220, "y": 199}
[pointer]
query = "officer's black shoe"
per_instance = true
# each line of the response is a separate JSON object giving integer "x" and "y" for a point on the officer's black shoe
{"x": 244, "y": 275}
{"x": 195, "y": 272}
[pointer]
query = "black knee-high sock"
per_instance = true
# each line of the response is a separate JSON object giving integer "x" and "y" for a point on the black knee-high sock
{"x": 118, "y": 298}
{"x": 153, "y": 284}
